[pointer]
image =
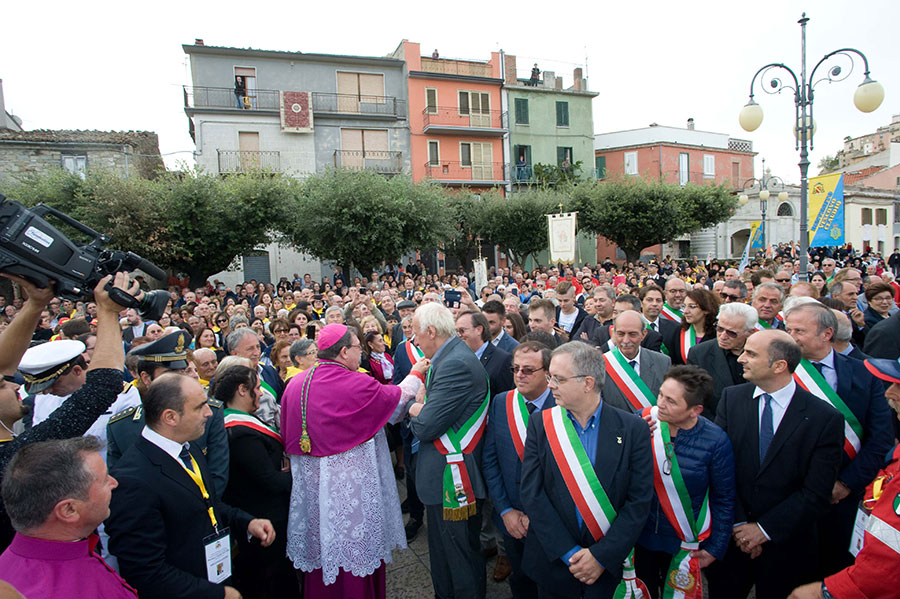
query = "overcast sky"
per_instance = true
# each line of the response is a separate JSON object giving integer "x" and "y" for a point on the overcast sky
{"x": 102, "y": 65}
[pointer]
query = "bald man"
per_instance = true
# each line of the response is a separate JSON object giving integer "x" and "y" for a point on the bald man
{"x": 628, "y": 359}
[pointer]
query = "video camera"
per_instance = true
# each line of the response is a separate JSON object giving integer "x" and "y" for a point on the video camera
{"x": 35, "y": 250}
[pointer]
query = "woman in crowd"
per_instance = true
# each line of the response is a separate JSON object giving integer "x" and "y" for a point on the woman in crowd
{"x": 221, "y": 327}
{"x": 881, "y": 299}
{"x": 819, "y": 281}
{"x": 206, "y": 338}
{"x": 381, "y": 365}
{"x": 698, "y": 324}
{"x": 280, "y": 355}
{"x": 259, "y": 483}
{"x": 514, "y": 326}
{"x": 259, "y": 327}
{"x": 299, "y": 317}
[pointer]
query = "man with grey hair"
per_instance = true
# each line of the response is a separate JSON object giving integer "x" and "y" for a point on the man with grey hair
{"x": 733, "y": 291}
{"x": 736, "y": 323}
{"x": 629, "y": 360}
{"x": 604, "y": 304}
{"x": 449, "y": 427}
{"x": 244, "y": 342}
{"x": 567, "y": 552}
{"x": 768, "y": 299}
{"x": 842, "y": 335}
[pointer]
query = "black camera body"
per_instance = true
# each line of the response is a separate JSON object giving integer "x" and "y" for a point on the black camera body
{"x": 35, "y": 250}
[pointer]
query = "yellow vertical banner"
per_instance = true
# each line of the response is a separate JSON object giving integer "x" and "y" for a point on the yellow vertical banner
{"x": 826, "y": 210}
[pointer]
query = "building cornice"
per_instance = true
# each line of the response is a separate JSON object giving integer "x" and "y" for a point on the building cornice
{"x": 451, "y": 77}
{"x": 298, "y": 56}
{"x": 675, "y": 145}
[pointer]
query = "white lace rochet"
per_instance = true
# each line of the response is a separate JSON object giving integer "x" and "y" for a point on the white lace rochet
{"x": 345, "y": 512}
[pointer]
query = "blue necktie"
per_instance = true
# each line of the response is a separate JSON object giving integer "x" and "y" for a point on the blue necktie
{"x": 185, "y": 456}
{"x": 819, "y": 366}
{"x": 530, "y": 407}
{"x": 766, "y": 427}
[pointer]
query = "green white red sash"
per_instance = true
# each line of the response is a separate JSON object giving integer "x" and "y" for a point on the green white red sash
{"x": 627, "y": 380}
{"x": 235, "y": 418}
{"x": 762, "y": 325}
{"x": 631, "y": 587}
{"x": 810, "y": 379}
{"x": 683, "y": 579}
{"x": 584, "y": 487}
{"x": 413, "y": 352}
{"x": 671, "y": 313}
{"x": 459, "y": 496}
{"x": 687, "y": 339}
{"x": 517, "y": 419}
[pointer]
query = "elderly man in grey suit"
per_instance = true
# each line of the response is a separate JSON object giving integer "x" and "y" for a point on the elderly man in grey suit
{"x": 449, "y": 425}
{"x": 634, "y": 373}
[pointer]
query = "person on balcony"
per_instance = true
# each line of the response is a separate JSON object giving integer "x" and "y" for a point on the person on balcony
{"x": 240, "y": 89}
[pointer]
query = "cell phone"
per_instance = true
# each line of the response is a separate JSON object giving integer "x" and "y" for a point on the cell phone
{"x": 452, "y": 298}
{"x": 311, "y": 331}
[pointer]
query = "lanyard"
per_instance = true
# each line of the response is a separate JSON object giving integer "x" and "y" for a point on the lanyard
{"x": 194, "y": 473}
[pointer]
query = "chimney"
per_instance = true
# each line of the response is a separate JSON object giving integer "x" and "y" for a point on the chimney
{"x": 198, "y": 41}
{"x": 576, "y": 79}
{"x": 690, "y": 124}
{"x": 509, "y": 64}
{"x": 549, "y": 79}
{"x": 559, "y": 83}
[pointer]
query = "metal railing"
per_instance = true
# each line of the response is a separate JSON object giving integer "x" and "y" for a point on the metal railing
{"x": 358, "y": 104}
{"x": 443, "y": 116}
{"x": 457, "y": 67}
{"x": 224, "y": 97}
{"x": 740, "y": 145}
{"x": 236, "y": 161}
{"x": 380, "y": 161}
{"x": 457, "y": 171}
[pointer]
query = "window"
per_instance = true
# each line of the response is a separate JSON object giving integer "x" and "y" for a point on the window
{"x": 356, "y": 88}
{"x": 631, "y": 163}
{"x": 434, "y": 154}
{"x": 247, "y": 76}
{"x": 600, "y": 167}
{"x": 521, "y": 111}
{"x": 562, "y": 114}
{"x": 77, "y": 165}
{"x": 562, "y": 155}
{"x": 474, "y": 102}
{"x": 709, "y": 166}
{"x": 361, "y": 148}
{"x": 866, "y": 216}
{"x": 785, "y": 209}
{"x": 684, "y": 168}
{"x": 522, "y": 158}
{"x": 431, "y": 100}
{"x": 897, "y": 212}
{"x": 736, "y": 174}
{"x": 881, "y": 216}
{"x": 477, "y": 156}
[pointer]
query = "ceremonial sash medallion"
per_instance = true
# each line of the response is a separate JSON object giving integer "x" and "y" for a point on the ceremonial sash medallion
{"x": 584, "y": 487}
{"x": 809, "y": 378}
{"x": 238, "y": 418}
{"x": 627, "y": 380}
{"x": 459, "y": 496}
{"x": 671, "y": 313}
{"x": 517, "y": 419}
{"x": 683, "y": 579}
{"x": 686, "y": 340}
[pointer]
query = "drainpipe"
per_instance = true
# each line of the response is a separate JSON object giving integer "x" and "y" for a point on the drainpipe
{"x": 504, "y": 109}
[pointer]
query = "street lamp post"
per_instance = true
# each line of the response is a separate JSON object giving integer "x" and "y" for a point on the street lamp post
{"x": 764, "y": 193}
{"x": 868, "y": 97}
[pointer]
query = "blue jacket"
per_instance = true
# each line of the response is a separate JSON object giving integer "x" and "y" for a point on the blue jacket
{"x": 706, "y": 460}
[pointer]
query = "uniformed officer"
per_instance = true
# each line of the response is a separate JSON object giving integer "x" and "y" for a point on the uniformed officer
{"x": 166, "y": 354}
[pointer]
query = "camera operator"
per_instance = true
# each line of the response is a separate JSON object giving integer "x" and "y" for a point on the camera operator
{"x": 76, "y": 415}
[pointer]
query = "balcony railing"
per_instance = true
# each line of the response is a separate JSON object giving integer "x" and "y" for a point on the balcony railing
{"x": 740, "y": 145}
{"x": 457, "y": 67}
{"x": 457, "y": 171}
{"x": 231, "y": 161}
{"x": 377, "y": 160}
{"x": 442, "y": 116}
{"x": 359, "y": 104}
{"x": 224, "y": 97}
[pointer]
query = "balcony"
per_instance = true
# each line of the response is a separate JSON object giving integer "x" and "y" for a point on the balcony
{"x": 457, "y": 173}
{"x": 366, "y": 106}
{"x": 740, "y": 145}
{"x": 467, "y": 68}
{"x": 224, "y": 98}
{"x": 380, "y": 161}
{"x": 231, "y": 161}
{"x": 484, "y": 123}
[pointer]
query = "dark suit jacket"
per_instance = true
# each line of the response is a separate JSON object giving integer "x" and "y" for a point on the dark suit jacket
{"x": 128, "y": 334}
{"x": 653, "y": 366}
{"x": 270, "y": 376}
{"x": 666, "y": 327}
{"x": 507, "y": 343}
{"x": 579, "y": 318}
{"x": 457, "y": 386}
{"x": 256, "y": 482}
{"x": 883, "y": 340}
{"x": 792, "y": 487}
{"x": 672, "y": 341}
{"x": 497, "y": 363}
{"x": 158, "y": 520}
{"x": 501, "y": 465}
{"x": 402, "y": 364}
{"x": 591, "y": 327}
{"x": 624, "y": 466}
{"x": 711, "y": 358}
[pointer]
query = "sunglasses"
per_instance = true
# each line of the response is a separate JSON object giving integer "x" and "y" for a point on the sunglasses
{"x": 732, "y": 334}
{"x": 524, "y": 370}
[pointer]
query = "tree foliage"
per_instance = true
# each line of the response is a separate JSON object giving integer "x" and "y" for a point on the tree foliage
{"x": 360, "y": 218}
{"x": 467, "y": 215}
{"x": 518, "y": 223}
{"x": 829, "y": 163}
{"x": 635, "y": 213}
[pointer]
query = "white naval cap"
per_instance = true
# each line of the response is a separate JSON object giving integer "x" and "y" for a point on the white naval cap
{"x": 42, "y": 364}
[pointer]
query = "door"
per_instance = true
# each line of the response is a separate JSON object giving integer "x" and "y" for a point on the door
{"x": 248, "y": 145}
{"x": 352, "y": 148}
{"x": 348, "y": 92}
{"x": 480, "y": 110}
{"x": 481, "y": 162}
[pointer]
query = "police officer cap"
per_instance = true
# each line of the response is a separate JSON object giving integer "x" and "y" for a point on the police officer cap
{"x": 43, "y": 364}
{"x": 169, "y": 351}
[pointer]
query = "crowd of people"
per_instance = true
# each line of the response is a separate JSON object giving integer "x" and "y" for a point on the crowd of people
{"x": 658, "y": 429}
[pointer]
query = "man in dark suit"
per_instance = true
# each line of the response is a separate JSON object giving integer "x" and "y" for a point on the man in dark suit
{"x": 787, "y": 446}
{"x": 244, "y": 342}
{"x": 161, "y": 517}
{"x": 404, "y": 308}
{"x": 651, "y": 305}
{"x": 602, "y": 336}
{"x": 883, "y": 340}
{"x": 504, "y": 449}
{"x": 736, "y": 323}
{"x": 569, "y": 315}
{"x": 405, "y": 356}
{"x": 812, "y": 326}
{"x": 841, "y": 342}
{"x": 136, "y": 326}
{"x": 496, "y": 314}
{"x": 629, "y": 331}
{"x": 456, "y": 390}
{"x": 472, "y": 327}
{"x": 563, "y": 555}
{"x": 604, "y": 303}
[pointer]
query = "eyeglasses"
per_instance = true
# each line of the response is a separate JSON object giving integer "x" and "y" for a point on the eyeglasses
{"x": 218, "y": 320}
{"x": 732, "y": 334}
{"x": 783, "y": 280}
{"x": 562, "y": 380}
{"x": 524, "y": 370}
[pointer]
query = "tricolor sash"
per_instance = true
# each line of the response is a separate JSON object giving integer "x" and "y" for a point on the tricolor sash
{"x": 584, "y": 487}
{"x": 517, "y": 419}
{"x": 671, "y": 313}
{"x": 627, "y": 380}
{"x": 683, "y": 579}
{"x": 235, "y": 418}
{"x": 631, "y": 587}
{"x": 762, "y": 325}
{"x": 459, "y": 496}
{"x": 810, "y": 379}
{"x": 687, "y": 339}
{"x": 662, "y": 346}
{"x": 413, "y": 352}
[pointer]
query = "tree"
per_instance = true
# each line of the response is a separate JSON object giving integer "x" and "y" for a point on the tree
{"x": 829, "y": 163}
{"x": 518, "y": 223}
{"x": 635, "y": 213}
{"x": 361, "y": 218}
{"x": 467, "y": 214}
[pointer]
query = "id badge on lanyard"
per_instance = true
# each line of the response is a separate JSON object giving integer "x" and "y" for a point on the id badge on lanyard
{"x": 218, "y": 556}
